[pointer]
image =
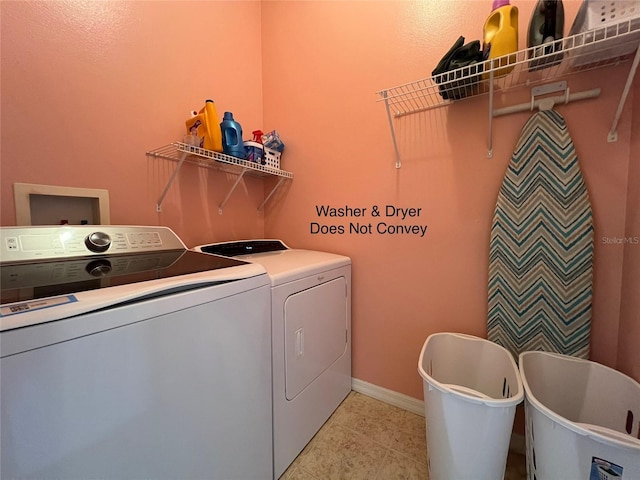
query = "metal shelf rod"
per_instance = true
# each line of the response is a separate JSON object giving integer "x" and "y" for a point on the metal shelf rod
{"x": 613, "y": 134}
{"x": 393, "y": 132}
{"x": 173, "y": 177}
{"x": 550, "y": 101}
{"x": 270, "y": 193}
{"x": 490, "y": 133}
{"x": 235, "y": 184}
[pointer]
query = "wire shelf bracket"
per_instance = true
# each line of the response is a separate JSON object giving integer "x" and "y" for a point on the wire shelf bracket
{"x": 613, "y": 133}
{"x": 393, "y": 131}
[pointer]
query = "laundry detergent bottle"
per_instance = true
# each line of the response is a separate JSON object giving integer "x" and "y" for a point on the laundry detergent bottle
{"x": 213, "y": 139}
{"x": 501, "y": 36}
{"x": 204, "y": 126}
{"x": 232, "y": 143}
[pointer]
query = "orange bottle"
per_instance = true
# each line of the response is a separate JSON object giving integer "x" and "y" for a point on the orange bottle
{"x": 206, "y": 126}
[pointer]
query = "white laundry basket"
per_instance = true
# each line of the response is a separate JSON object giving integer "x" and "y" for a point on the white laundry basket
{"x": 471, "y": 390}
{"x": 582, "y": 419}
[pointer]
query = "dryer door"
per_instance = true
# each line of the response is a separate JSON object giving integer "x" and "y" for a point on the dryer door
{"x": 315, "y": 322}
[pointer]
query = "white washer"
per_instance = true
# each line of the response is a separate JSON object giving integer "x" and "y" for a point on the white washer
{"x": 311, "y": 337}
{"x": 125, "y": 355}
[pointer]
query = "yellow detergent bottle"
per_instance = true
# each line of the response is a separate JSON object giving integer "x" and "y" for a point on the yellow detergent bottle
{"x": 501, "y": 36}
{"x": 206, "y": 126}
{"x": 214, "y": 134}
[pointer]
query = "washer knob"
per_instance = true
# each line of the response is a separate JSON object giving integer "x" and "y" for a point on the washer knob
{"x": 98, "y": 242}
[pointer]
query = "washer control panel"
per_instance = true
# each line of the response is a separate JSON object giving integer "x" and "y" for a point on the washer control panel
{"x": 24, "y": 244}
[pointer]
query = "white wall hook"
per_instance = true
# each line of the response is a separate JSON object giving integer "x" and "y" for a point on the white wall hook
{"x": 546, "y": 104}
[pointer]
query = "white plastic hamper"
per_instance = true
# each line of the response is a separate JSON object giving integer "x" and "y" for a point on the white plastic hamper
{"x": 582, "y": 419}
{"x": 471, "y": 390}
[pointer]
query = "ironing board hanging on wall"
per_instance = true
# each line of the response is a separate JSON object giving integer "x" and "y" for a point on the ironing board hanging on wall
{"x": 541, "y": 249}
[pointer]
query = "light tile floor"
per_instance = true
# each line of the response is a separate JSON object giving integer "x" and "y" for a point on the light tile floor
{"x": 369, "y": 439}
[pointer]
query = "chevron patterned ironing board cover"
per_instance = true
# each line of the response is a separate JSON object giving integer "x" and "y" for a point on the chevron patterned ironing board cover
{"x": 541, "y": 249}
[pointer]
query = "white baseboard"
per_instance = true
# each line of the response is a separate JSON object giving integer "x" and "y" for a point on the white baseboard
{"x": 388, "y": 396}
{"x": 400, "y": 400}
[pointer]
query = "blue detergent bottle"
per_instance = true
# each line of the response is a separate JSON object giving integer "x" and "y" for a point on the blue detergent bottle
{"x": 232, "y": 143}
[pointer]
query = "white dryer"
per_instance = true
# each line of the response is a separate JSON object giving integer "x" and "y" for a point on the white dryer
{"x": 311, "y": 337}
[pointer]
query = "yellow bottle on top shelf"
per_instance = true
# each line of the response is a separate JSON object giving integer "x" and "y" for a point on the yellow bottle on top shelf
{"x": 206, "y": 126}
{"x": 501, "y": 36}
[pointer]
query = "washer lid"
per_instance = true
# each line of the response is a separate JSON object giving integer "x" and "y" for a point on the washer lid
{"x": 24, "y": 282}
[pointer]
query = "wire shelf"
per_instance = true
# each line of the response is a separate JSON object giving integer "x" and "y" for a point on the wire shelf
{"x": 182, "y": 152}
{"x": 596, "y": 48}
{"x": 218, "y": 161}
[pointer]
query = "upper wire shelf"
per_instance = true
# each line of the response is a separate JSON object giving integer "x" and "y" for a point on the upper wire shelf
{"x": 596, "y": 48}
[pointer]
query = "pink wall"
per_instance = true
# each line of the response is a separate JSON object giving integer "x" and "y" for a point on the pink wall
{"x": 324, "y": 61}
{"x": 88, "y": 87}
{"x": 628, "y": 351}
